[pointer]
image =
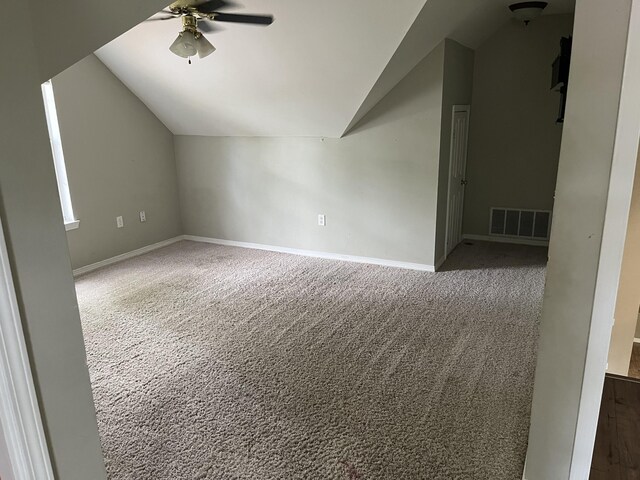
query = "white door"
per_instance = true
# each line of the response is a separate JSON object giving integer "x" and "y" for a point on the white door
{"x": 457, "y": 182}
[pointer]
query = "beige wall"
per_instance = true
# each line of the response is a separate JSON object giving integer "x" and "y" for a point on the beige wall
{"x": 40, "y": 263}
{"x": 119, "y": 160}
{"x": 457, "y": 90}
{"x": 69, "y": 30}
{"x": 32, "y": 219}
{"x": 628, "y": 299}
{"x": 638, "y": 327}
{"x": 377, "y": 186}
{"x": 514, "y": 141}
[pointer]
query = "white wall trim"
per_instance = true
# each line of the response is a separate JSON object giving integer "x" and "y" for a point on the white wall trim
{"x": 623, "y": 168}
{"x": 513, "y": 240}
{"x": 258, "y": 246}
{"x": 636, "y": 340}
{"x": 311, "y": 253}
{"x": 19, "y": 411}
{"x": 124, "y": 256}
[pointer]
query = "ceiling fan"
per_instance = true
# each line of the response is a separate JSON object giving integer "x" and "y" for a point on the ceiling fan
{"x": 197, "y": 18}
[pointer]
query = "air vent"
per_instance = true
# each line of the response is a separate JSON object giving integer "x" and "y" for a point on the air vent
{"x": 509, "y": 222}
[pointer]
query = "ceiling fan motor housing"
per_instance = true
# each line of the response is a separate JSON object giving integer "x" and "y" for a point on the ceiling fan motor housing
{"x": 190, "y": 23}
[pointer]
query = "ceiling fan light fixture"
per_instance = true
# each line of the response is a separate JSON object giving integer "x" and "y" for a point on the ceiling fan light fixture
{"x": 527, "y": 11}
{"x": 191, "y": 41}
{"x": 203, "y": 46}
{"x": 185, "y": 45}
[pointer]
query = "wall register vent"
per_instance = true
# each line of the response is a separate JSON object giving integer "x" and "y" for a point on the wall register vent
{"x": 510, "y": 222}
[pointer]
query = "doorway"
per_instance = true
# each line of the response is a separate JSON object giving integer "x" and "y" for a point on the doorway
{"x": 23, "y": 451}
{"x": 457, "y": 181}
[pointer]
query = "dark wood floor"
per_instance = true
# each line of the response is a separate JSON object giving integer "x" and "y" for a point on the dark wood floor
{"x": 634, "y": 366}
{"x": 616, "y": 455}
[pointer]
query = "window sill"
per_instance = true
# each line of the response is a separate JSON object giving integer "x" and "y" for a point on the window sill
{"x": 72, "y": 225}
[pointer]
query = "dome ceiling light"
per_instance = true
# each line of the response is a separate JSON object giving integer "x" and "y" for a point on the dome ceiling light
{"x": 527, "y": 11}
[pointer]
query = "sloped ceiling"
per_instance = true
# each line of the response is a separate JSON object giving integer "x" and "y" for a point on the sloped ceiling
{"x": 315, "y": 72}
{"x": 305, "y": 75}
{"x": 469, "y": 22}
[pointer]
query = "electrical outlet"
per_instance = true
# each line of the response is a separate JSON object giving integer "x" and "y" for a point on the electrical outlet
{"x": 322, "y": 221}
{"x": 143, "y": 216}
{"x": 119, "y": 222}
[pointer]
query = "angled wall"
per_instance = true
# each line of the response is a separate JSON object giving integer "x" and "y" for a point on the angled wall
{"x": 468, "y": 22}
{"x": 40, "y": 263}
{"x": 32, "y": 219}
{"x": 119, "y": 160}
{"x": 69, "y": 30}
{"x": 377, "y": 186}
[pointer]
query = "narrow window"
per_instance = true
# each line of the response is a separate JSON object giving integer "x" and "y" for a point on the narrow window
{"x": 70, "y": 221}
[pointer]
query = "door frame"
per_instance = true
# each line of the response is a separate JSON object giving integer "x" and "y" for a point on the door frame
{"x": 455, "y": 109}
{"x": 20, "y": 417}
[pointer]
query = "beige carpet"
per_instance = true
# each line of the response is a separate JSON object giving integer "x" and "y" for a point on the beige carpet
{"x": 211, "y": 362}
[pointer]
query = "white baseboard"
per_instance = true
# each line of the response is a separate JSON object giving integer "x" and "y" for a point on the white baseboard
{"x": 513, "y": 240}
{"x": 636, "y": 340}
{"x": 311, "y": 253}
{"x": 124, "y": 256}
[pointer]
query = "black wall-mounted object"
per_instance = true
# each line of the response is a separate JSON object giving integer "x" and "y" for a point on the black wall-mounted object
{"x": 560, "y": 74}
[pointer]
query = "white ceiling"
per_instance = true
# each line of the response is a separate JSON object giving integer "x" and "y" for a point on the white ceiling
{"x": 305, "y": 75}
{"x": 315, "y": 72}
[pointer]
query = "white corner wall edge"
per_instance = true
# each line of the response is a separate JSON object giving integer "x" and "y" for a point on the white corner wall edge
{"x": 311, "y": 253}
{"x": 19, "y": 411}
{"x": 124, "y": 256}
{"x": 513, "y": 240}
{"x": 623, "y": 168}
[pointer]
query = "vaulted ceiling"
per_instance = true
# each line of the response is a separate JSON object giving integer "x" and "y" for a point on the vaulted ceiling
{"x": 316, "y": 71}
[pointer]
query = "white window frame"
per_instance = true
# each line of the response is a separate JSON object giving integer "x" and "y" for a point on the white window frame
{"x": 70, "y": 221}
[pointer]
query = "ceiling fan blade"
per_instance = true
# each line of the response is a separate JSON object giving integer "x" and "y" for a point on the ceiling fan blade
{"x": 208, "y": 27}
{"x": 153, "y": 19}
{"x": 235, "y": 18}
{"x": 211, "y": 6}
{"x": 168, "y": 15}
